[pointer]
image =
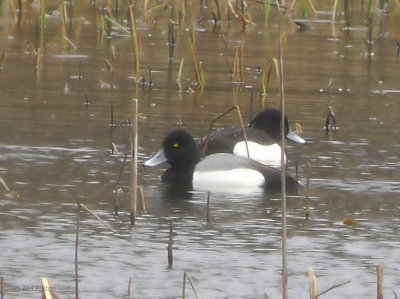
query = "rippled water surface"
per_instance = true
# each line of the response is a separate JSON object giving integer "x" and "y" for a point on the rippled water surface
{"x": 55, "y": 151}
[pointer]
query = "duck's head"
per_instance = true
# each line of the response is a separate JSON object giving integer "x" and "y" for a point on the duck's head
{"x": 179, "y": 149}
{"x": 269, "y": 121}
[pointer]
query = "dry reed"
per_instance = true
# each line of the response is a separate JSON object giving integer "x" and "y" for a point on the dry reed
{"x": 134, "y": 153}
{"x": 186, "y": 277}
{"x": 239, "y": 115}
{"x": 379, "y": 279}
{"x": 170, "y": 245}
{"x": 308, "y": 171}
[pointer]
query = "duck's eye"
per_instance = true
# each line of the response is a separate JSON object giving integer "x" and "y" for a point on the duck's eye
{"x": 176, "y": 145}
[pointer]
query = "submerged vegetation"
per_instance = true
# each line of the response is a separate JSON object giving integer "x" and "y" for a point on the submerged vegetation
{"x": 120, "y": 25}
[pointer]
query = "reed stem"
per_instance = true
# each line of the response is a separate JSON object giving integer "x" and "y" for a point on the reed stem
{"x": 379, "y": 277}
{"x": 308, "y": 191}
{"x": 313, "y": 283}
{"x": 134, "y": 149}
{"x": 207, "y": 139}
{"x": 135, "y": 41}
{"x": 170, "y": 245}
{"x": 208, "y": 208}
{"x": 76, "y": 252}
{"x": 283, "y": 168}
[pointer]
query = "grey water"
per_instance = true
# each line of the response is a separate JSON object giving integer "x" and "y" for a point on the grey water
{"x": 55, "y": 151}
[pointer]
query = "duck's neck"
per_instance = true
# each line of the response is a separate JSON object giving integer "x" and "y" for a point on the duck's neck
{"x": 179, "y": 175}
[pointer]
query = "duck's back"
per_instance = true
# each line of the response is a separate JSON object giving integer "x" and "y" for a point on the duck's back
{"x": 225, "y": 140}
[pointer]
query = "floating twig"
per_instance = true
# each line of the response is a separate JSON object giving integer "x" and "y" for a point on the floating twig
{"x": 333, "y": 287}
{"x": 97, "y": 217}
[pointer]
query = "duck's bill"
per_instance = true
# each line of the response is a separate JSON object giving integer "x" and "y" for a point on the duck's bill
{"x": 157, "y": 159}
{"x": 295, "y": 138}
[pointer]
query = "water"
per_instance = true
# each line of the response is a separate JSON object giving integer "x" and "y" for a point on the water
{"x": 55, "y": 151}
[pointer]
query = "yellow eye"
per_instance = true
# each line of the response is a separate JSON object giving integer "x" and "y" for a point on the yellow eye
{"x": 176, "y": 145}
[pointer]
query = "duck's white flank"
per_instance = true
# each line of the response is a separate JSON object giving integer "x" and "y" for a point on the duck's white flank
{"x": 267, "y": 154}
{"x": 239, "y": 178}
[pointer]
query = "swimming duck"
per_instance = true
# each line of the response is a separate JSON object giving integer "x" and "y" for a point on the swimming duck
{"x": 221, "y": 171}
{"x": 262, "y": 136}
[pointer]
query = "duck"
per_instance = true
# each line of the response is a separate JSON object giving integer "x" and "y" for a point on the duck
{"x": 220, "y": 171}
{"x": 263, "y": 134}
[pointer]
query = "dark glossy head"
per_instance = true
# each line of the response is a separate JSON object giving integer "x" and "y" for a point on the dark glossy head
{"x": 180, "y": 149}
{"x": 269, "y": 121}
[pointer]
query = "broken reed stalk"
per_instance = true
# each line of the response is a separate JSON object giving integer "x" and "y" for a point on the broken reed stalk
{"x": 76, "y": 253}
{"x": 143, "y": 208}
{"x": 129, "y": 287}
{"x": 134, "y": 152}
{"x": 334, "y": 10}
{"x": 97, "y": 217}
{"x": 331, "y": 117}
{"x": 116, "y": 204}
{"x": 333, "y": 287}
{"x": 308, "y": 171}
{"x": 370, "y": 26}
{"x": 207, "y": 140}
{"x": 187, "y": 278}
{"x": 208, "y": 208}
{"x": 171, "y": 39}
{"x": 47, "y": 292}
{"x": 111, "y": 127}
{"x": 39, "y": 62}
{"x": 180, "y": 69}
{"x": 283, "y": 169}
{"x": 135, "y": 41}
{"x": 170, "y": 245}
{"x": 227, "y": 55}
{"x": 313, "y": 283}
{"x": 379, "y": 278}
{"x": 2, "y": 58}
